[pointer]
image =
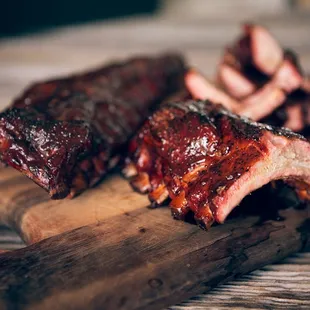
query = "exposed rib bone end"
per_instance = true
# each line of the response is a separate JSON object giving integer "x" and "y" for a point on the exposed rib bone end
{"x": 287, "y": 159}
{"x": 208, "y": 159}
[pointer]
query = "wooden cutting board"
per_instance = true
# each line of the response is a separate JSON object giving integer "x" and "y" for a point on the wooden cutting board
{"x": 108, "y": 251}
{"x": 29, "y": 210}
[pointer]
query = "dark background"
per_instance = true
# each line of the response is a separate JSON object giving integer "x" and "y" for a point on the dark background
{"x": 21, "y": 16}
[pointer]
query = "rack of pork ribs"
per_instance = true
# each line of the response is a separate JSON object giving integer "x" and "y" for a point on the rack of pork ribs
{"x": 205, "y": 158}
{"x": 66, "y": 134}
{"x": 259, "y": 79}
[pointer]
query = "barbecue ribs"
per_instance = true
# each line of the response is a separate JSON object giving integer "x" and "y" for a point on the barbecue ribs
{"x": 207, "y": 159}
{"x": 259, "y": 79}
{"x": 65, "y": 134}
{"x": 256, "y": 61}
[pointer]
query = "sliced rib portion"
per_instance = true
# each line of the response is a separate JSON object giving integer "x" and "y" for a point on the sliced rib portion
{"x": 257, "y": 60}
{"x": 257, "y": 106}
{"x": 66, "y": 134}
{"x": 256, "y": 51}
{"x": 260, "y": 80}
{"x": 207, "y": 159}
{"x": 234, "y": 82}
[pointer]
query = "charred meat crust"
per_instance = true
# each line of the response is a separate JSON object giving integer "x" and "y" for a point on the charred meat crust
{"x": 256, "y": 60}
{"x": 206, "y": 159}
{"x": 65, "y": 134}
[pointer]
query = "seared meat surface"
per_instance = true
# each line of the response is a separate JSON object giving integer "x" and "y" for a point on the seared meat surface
{"x": 256, "y": 61}
{"x": 206, "y": 159}
{"x": 65, "y": 134}
{"x": 259, "y": 79}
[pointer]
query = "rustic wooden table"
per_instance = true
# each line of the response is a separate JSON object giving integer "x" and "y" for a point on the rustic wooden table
{"x": 25, "y": 59}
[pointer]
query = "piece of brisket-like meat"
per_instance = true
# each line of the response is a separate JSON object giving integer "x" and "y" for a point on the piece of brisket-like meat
{"x": 207, "y": 159}
{"x": 257, "y": 106}
{"x": 256, "y": 61}
{"x": 65, "y": 134}
{"x": 258, "y": 79}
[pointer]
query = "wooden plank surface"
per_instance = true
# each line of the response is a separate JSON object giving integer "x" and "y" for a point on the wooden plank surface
{"x": 277, "y": 286}
{"x": 284, "y": 285}
{"x": 29, "y": 210}
{"x": 144, "y": 260}
{"x": 26, "y": 59}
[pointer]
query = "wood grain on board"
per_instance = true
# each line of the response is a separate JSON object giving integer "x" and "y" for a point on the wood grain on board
{"x": 29, "y": 210}
{"x": 285, "y": 285}
{"x": 143, "y": 259}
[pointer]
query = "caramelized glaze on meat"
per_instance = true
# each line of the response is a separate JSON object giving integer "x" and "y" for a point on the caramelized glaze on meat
{"x": 43, "y": 150}
{"x": 206, "y": 159}
{"x": 65, "y": 134}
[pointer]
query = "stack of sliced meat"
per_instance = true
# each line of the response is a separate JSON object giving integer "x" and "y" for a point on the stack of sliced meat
{"x": 259, "y": 79}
